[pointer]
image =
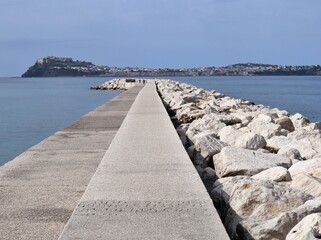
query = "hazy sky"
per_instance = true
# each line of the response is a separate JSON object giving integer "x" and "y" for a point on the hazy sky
{"x": 160, "y": 33}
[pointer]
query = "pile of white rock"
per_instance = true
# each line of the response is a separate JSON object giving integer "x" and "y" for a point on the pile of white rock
{"x": 114, "y": 84}
{"x": 262, "y": 166}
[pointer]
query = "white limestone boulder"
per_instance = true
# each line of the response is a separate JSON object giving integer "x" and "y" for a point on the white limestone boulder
{"x": 277, "y": 174}
{"x": 285, "y": 122}
{"x": 259, "y": 201}
{"x": 278, "y": 112}
{"x": 265, "y": 127}
{"x": 314, "y": 126}
{"x": 212, "y": 103}
{"x": 218, "y": 95}
{"x": 232, "y": 161}
{"x": 304, "y": 146}
{"x": 304, "y": 133}
{"x": 306, "y": 167}
{"x": 292, "y": 153}
{"x": 243, "y": 115}
{"x": 202, "y": 105}
{"x": 207, "y": 144}
{"x": 213, "y": 121}
{"x": 264, "y": 199}
{"x": 229, "y": 134}
{"x": 199, "y": 91}
{"x": 306, "y": 176}
{"x": 222, "y": 188}
{"x": 244, "y": 129}
{"x": 189, "y": 115}
{"x": 266, "y": 118}
{"x": 307, "y": 183}
{"x": 187, "y": 98}
{"x": 182, "y": 105}
{"x": 250, "y": 141}
{"x": 309, "y": 228}
{"x": 224, "y": 118}
{"x": 230, "y": 102}
{"x": 279, "y": 227}
{"x": 174, "y": 98}
{"x": 311, "y": 136}
{"x": 203, "y": 124}
{"x": 299, "y": 120}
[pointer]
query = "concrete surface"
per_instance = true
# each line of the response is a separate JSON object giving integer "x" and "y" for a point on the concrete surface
{"x": 146, "y": 186}
{"x": 40, "y": 188}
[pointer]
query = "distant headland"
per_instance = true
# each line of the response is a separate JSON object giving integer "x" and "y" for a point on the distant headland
{"x": 67, "y": 67}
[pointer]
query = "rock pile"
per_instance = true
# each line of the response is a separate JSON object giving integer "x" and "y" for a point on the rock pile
{"x": 119, "y": 84}
{"x": 262, "y": 166}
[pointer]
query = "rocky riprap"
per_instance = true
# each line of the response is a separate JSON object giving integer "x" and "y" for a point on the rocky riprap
{"x": 119, "y": 84}
{"x": 261, "y": 165}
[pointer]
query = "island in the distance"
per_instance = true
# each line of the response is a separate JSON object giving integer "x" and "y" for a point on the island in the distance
{"x": 64, "y": 67}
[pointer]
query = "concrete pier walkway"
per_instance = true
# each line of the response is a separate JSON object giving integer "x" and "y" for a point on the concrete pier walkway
{"x": 146, "y": 186}
{"x": 41, "y": 187}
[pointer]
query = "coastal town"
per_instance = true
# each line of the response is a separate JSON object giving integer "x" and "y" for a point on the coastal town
{"x": 61, "y": 66}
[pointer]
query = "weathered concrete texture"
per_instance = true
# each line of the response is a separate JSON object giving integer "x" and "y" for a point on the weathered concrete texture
{"x": 41, "y": 187}
{"x": 146, "y": 186}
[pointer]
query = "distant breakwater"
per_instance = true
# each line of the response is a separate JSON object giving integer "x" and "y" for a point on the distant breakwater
{"x": 261, "y": 165}
{"x": 119, "y": 84}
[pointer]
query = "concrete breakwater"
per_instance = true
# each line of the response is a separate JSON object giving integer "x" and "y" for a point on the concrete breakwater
{"x": 145, "y": 186}
{"x": 262, "y": 166}
{"x": 119, "y": 172}
{"x": 40, "y": 188}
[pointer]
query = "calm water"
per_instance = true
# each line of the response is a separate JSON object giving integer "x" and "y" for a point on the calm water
{"x": 294, "y": 94}
{"x": 34, "y": 108}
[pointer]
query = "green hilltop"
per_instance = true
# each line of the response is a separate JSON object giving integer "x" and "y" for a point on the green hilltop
{"x": 67, "y": 67}
{"x": 57, "y": 67}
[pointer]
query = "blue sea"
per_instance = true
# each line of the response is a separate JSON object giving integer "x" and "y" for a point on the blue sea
{"x": 32, "y": 109}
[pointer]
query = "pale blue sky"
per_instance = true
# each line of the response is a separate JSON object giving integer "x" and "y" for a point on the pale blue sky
{"x": 160, "y": 33}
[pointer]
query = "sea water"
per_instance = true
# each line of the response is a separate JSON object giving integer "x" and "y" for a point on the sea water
{"x": 32, "y": 109}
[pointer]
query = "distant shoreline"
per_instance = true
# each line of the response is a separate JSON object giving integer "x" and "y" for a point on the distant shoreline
{"x": 165, "y": 76}
{"x": 161, "y": 76}
{"x": 171, "y": 76}
{"x": 67, "y": 67}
